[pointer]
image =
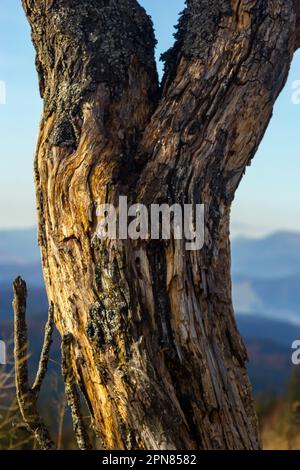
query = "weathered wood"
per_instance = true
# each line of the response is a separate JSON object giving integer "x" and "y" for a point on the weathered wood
{"x": 45, "y": 353}
{"x": 155, "y": 346}
{"x": 72, "y": 395}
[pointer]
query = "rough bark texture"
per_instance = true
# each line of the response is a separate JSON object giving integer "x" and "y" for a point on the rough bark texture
{"x": 155, "y": 350}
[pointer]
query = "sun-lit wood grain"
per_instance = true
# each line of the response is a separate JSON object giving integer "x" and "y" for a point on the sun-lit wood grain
{"x": 156, "y": 350}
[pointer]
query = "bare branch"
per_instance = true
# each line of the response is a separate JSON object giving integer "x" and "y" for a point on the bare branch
{"x": 20, "y": 337}
{"x": 82, "y": 437}
{"x": 44, "y": 359}
{"x": 27, "y": 397}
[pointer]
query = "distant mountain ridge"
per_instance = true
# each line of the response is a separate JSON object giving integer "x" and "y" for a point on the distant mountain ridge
{"x": 277, "y": 298}
{"x": 266, "y": 280}
{"x": 266, "y": 276}
{"x": 37, "y": 303}
{"x": 256, "y": 326}
{"x": 269, "y": 349}
{"x": 19, "y": 246}
{"x": 266, "y": 272}
{"x": 275, "y": 256}
{"x": 20, "y": 255}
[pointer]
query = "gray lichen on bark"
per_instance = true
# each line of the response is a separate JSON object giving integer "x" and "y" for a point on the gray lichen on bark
{"x": 89, "y": 42}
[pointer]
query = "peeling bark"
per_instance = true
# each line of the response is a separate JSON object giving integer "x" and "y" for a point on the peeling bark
{"x": 155, "y": 346}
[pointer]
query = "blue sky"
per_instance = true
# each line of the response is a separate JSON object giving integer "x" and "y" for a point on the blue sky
{"x": 268, "y": 198}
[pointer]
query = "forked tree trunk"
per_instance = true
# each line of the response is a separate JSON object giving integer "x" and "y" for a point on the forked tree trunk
{"x": 155, "y": 347}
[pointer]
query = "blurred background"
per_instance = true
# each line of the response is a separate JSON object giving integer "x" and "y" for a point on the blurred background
{"x": 265, "y": 235}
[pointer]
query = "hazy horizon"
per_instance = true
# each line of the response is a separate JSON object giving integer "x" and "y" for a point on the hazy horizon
{"x": 234, "y": 235}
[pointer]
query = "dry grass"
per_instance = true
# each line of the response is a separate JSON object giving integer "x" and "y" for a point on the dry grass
{"x": 280, "y": 429}
{"x": 272, "y": 440}
{"x": 13, "y": 435}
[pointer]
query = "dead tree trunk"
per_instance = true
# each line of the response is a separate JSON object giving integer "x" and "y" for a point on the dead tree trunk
{"x": 155, "y": 348}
